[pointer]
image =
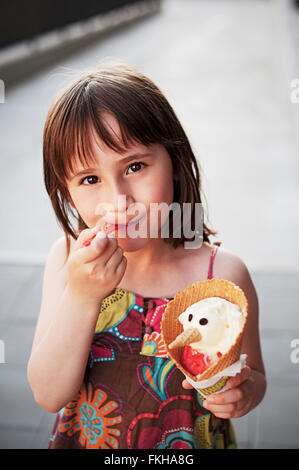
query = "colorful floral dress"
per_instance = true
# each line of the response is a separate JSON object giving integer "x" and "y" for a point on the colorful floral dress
{"x": 132, "y": 395}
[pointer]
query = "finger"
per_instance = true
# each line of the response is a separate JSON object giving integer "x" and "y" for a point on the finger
{"x": 114, "y": 259}
{"x": 88, "y": 242}
{"x": 100, "y": 227}
{"x": 110, "y": 249}
{"x": 187, "y": 385}
{"x": 230, "y": 410}
{"x": 227, "y": 408}
{"x": 229, "y": 396}
{"x": 101, "y": 246}
{"x": 121, "y": 268}
{"x": 86, "y": 235}
{"x": 222, "y": 415}
{"x": 234, "y": 409}
{"x": 218, "y": 408}
{"x": 239, "y": 378}
{"x": 97, "y": 247}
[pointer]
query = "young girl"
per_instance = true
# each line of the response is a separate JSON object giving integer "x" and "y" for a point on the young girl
{"x": 97, "y": 357}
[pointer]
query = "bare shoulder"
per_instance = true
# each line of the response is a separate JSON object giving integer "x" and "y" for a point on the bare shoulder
{"x": 226, "y": 265}
{"x": 58, "y": 250}
{"x": 57, "y": 256}
{"x": 55, "y": 272}
{"x": 229, "y": 266}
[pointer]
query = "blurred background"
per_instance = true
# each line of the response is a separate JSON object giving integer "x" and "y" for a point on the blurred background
{"x": 230, "y": 69}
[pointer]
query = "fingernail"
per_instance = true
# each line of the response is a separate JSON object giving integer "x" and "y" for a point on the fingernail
{"x": 99, "y": 238}
{"x": 101, "y": 234}
{"x": 211, "y": 400}
{"x": 88, "y": 242}
{"x": 111, "y": 235}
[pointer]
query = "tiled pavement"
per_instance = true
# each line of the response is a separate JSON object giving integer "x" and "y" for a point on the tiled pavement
{"x": 238, "y": 58}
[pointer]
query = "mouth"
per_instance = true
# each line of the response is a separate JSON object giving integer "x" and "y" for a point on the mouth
{"x": 109, "y": 228}
{"x": 115, "y": 227}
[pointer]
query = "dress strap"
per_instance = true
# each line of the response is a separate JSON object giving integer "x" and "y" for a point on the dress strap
{"x": 212, "y": 257}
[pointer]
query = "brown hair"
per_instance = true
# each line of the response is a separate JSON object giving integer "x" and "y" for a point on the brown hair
{"x": 144, "y": 116}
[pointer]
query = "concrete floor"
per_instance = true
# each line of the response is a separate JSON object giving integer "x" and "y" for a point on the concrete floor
{"x": 226, "y": 67}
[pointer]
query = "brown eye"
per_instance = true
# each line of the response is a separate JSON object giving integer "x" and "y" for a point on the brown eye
{"x": 89, "y": 179}
{"x": 190, "y": 317}
{"x": 203, "y": 321}
{"x": 138, "y": 165}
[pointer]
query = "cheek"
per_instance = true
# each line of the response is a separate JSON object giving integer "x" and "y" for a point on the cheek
{"x": 159, "y": 191}
{"x": 158, "y": 195}
{"x": 78, "y": 203}
{"x": 161, "y": 188}
{"x": 84, "y": 206}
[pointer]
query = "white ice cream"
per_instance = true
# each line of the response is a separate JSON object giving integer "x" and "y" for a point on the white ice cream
{"x": 219, "y": 322}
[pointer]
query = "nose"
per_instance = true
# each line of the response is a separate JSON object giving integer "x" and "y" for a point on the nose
{"x": 115, "y": 203}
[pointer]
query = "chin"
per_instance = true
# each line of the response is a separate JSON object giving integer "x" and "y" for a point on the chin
{"x": 132, "y": 244}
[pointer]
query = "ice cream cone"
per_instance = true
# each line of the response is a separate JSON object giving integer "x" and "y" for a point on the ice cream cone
{"x": 171, "y": 328}
{"x": 186, "y": 337}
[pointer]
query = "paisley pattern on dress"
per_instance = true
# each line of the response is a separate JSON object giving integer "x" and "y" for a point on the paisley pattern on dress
{"x": 154, "y": 380}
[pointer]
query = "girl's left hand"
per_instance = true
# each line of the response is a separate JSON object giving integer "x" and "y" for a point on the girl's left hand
{"x": 235, "y": 402}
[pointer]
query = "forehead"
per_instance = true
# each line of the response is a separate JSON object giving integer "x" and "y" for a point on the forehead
{"x": 94, "y": 149}
{"x": 112, "y": 126}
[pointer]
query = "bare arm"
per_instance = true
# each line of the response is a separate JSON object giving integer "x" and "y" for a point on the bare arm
{"x": 69, "y": 311}
{"x": 251, "y": 340}
{"x": 57, "y": 364}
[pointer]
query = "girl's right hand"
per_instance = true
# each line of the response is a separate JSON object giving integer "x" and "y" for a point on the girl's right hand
{"x": 95, "y": 270}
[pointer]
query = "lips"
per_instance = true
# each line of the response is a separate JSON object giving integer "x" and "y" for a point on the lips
{"x": 119, "y": 226}
{"x": 108, "y": 228}
{"x": 115, "y": 227}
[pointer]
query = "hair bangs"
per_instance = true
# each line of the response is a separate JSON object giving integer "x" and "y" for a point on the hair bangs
{"x": 131, "y": 106}
{"x": 87, "y": 127}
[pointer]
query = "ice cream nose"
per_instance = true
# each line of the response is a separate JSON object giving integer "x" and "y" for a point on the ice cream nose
{"x": 191, "y": 335}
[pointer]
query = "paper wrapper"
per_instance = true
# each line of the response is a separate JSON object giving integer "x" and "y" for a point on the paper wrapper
{"x": 217, "y": 383}
{"x": 171, "y": 328}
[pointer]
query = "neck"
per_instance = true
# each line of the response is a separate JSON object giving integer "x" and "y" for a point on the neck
{"x": 146, "y": 259}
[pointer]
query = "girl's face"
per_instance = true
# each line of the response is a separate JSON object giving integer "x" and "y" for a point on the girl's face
{"x": 140, "y": 176}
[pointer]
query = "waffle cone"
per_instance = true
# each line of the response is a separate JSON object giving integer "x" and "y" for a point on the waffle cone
{"x": 171, "y": 327}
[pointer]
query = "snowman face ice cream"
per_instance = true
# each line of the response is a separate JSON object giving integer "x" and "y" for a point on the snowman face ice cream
{"x": 218, "y": 321}
{"x": 203, "y": 328}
